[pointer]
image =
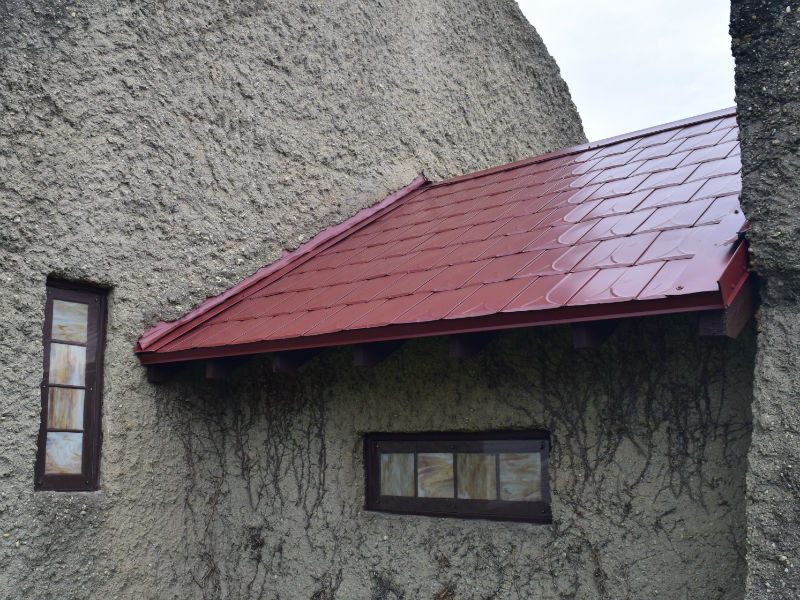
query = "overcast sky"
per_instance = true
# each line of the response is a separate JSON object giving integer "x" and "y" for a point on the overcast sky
{"x": 631, "y": 65}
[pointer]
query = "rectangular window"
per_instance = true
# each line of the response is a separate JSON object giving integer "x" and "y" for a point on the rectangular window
{"x": 72, "y": 385}
{"x": 499, "y": 475}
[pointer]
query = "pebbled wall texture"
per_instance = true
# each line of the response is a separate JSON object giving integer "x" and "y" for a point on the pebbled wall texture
{"x": 166, "y": 151}
{"x": 766, "y": 46}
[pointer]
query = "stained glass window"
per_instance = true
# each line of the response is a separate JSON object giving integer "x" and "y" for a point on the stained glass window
{"x": 69, "y": 440}
{"x": 499, "y": 475}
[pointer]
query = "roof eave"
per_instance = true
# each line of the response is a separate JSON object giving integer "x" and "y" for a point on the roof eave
{"x": 507, "y": 320}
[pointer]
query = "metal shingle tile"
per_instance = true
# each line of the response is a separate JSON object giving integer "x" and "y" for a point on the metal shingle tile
{"x": 436, "y": 306}
{"x": 664, "y": 283}
{"x": 477, "y": 233}
{"x": 327, "y": 296}
{"x": 523, "y": 224}
{"x": 617, "y": 148}
{"x": 387, "y": 266}
{"x": 388, "y": 312}
{"x": 726, "y": 123}
{"x": 578, "y": 213}
{"x": 655, "y": 139}
{"x": 489, "y": 299}
{"x": 618, "y": 205}
{"x": 502, "y": 268}
{"x": 304, "y": 321}
{"x": 616, "y": 160}
{"x": 616, "y": 226}
{"x": 700, "y": 141}
{"x": 616, "y": 285}
{"x": 551, "y": 291}
{"x": 454, "y": 277}
{"x": 720, "y": 186}
{"x": 556, "y": 261}
{"x": 659, "y": 150}
{"x": 617, "y": 252}
{"x": 725, "y": 166}
{"x": 617, "y": 188}
{"x": 367, "y": 290}
{"x": 617, "y": 172}
{"x": 252, "y": 307}
{"x": 468, "y": 252}
{"x": 410, "y": 283}
{"x": 698, "y": 129}
{"x": 721, "y": 208}
{"x": 672, "y": 217}
{"x": 346, "y": 274}
{"x": 555, "y": 237}
{"x": 711, "y": 153}
{"x": 654, "y": 165}
{"x": 512, "y": 244}
{"x": 667, "y": 178}
{"x": 339, "y": 320}
{"x": 731, "y": 136}
{"x": 261, "y": 329}
{"x": 671, "y": 195}
{"x": 404, "y": 247}
{"x": 673, "y": 244}
{"x": 579, "y": 196}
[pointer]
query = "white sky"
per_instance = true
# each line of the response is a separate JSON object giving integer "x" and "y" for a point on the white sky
{"x": 632, "y": 64}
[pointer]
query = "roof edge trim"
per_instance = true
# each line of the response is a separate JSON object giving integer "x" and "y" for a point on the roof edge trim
{"x": 153, "y": 334}
{"x": 725, "y": 112}
{"x": 702, "y": 301}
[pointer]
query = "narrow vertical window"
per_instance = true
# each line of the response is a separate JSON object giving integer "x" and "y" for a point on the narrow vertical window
{"x": 69, "y": 436}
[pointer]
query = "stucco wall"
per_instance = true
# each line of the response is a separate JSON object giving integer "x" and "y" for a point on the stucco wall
{"x": 167, "y": 150}
{"x": 649, "y": 434}
{"x": 766, "y": 46}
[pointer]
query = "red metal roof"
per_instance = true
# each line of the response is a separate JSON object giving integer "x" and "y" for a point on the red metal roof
{"x": 646, "y": 223}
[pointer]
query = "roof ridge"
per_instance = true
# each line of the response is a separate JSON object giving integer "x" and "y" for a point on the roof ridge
{"x": 155, "y": 333}
{"x": 725, "y": 112}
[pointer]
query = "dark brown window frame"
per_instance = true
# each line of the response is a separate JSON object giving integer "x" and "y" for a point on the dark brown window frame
{"x": 536, "y": 440}
{"x": 96, "y": 298}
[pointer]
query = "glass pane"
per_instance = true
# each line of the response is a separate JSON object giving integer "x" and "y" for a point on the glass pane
{"x": 69, "y": 321}
{"x": 435, "y": 475}
{"x": 67, "y": 364}
{"x": 477, "y": 476}
{"x": 397, "y": 474}
{"x": 521, "y": 477}
{"x": 63, "y": 452}
{"x": 65, "y": 409}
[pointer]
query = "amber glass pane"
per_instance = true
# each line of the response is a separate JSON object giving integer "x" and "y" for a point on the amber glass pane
{"x": 521, "y": 477}
{"x": 65, "y": 409}
{"x": 69, "y": 321}
{"x": 397, "y": 474}
{"x": 477, "y": 476}
{"x": 63, "y": 452}
{"x": 67, "y": 364}
{"x": 435, "y": 475}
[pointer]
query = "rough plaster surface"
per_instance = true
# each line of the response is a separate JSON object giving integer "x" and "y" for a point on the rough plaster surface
{"x": 766, "y": 46}
{"x": 649, "y": 443}
{"x": 166, "y": 151}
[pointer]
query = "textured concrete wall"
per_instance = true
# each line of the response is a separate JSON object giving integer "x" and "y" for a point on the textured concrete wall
{"x": 766, "y": 46}
{"x": 167, "y": 150}
{"x": 650, "y": 435}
